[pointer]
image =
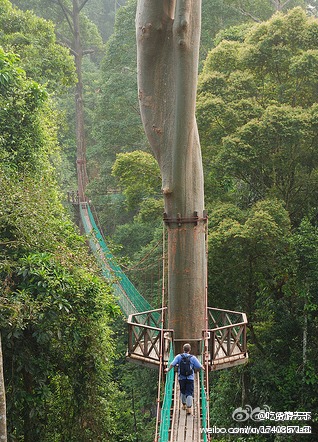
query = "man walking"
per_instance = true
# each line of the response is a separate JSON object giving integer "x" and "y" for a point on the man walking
{"x": 186, "y": 365}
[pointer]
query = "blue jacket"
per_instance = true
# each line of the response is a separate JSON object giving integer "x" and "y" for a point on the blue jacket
{"x": 194, "y": 363}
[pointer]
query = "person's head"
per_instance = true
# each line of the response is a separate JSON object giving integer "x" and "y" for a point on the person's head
{"x": 186, "y": 348}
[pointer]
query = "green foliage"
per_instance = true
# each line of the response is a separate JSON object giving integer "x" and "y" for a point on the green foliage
{"x": 24, "y": 142}
{"x": 100, "y": 12}
{"x": 251, "y": 248}
{"x": 133, "y": 236}
{"x": 140, "y": 387}
{"x": 256, "y": 112}
{"x": 49, "y": 299}
{"x": 55, "y": 322}
{"x": 56, "y": 313}
{"x": 117, "y": 126}
{"x": 139, "y": 176}
{"x": 223, "y": 18}
{"x": 148, "y": 262}
{"x": 260, "y": 10}
{"x": 47, "y": 63}
{"x": 34, "y": 40}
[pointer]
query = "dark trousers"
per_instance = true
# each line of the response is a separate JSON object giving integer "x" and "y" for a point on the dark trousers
{"x": 186, "y": 387}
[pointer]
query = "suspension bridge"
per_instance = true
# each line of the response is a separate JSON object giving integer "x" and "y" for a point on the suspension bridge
{"x": 151, "y": 344}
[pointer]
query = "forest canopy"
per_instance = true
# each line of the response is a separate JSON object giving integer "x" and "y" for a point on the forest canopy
{"x": 64, "y": 342}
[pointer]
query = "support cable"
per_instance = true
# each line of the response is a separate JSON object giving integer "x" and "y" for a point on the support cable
{"x": 160, "y": 378}
{"x": 206, "y": 337}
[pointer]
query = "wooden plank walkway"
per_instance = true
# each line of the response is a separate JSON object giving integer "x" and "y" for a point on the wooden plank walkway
{"x": 186, "y": 427}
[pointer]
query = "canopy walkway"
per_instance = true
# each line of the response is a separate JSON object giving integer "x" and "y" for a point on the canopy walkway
{"x": 129, "y": 299}
{"x": 176, "y": 424}
{"x": 151, "y": 344}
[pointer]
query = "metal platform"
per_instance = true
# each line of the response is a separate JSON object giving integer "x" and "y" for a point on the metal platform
{"x": 225, "y": 338}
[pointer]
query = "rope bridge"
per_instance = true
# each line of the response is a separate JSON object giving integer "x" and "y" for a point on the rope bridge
{"x": 129, "y": 299}
{"x": 145, "y": 333}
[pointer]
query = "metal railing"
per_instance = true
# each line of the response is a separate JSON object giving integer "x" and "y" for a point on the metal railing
{"x": 165, "y": 418}
{"x": 227, "y": 337}
{"x": 145, "y": 336}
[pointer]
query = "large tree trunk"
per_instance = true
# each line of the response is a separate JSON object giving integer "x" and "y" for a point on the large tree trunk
{"x": 3, "y": 416}
{"x": 80, "y": 126}
{"x": 168, "y": 34}
{"x": 72, "y": 16}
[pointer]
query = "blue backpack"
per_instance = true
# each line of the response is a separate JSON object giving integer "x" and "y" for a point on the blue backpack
{"x": 185, "y": 365}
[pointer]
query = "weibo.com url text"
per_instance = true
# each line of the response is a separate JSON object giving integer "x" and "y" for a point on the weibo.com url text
{"x": 279, "y": 429}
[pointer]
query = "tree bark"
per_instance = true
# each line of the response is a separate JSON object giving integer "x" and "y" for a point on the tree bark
{"x": 168, "y": 37}
{"x": 80, "y": 126}
{"x": 279, "y": 4}
{"x": 72, "y": 16}
{"x": 3, "y": 416}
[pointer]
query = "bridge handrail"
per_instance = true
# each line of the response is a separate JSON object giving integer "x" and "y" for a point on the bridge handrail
{"x": 227, "y": 341}
{"x": 111, "y": 270}
{"x": 226, "y": 311}
{"x": 152, "y": 315}
{"x": 204, "y": 406}
{"x": 226, "y": 317}
{"x": 167, "y": 402}
{"x": 239, "y": 324}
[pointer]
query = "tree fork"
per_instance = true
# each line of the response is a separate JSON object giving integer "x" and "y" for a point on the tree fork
{"x": 168, "y": 36}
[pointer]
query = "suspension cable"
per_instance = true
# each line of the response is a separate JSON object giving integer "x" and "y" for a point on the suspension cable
{"x": 160, "y": 378}
{"x": 206, "y": 338}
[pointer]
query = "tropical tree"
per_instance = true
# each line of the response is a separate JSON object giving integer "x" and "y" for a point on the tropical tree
{"x": 58, "y": 382}
{"x": 139, "y": 176}
{"x": 100, "y": 12}
{"x": 81, "y": 37}
{"x": 117, "y": 125}
{"x": 257, "y": 10}
{"x": 257, "y": 113}
{"x": 168, "y": 35}
{"x": 34, "y": 40}
{"x": 76, "y": 46}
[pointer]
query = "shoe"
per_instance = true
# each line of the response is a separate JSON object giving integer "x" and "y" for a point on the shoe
{"x": 184, "y": 406}
{"x": 189, "y": 410}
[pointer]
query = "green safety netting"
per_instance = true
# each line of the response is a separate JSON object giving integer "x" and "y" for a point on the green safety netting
{"x": 204, "y": 406}
{"x": 131, "y": 302}
{"x": 129, "y": 299}
{"x": 166, "y": 406}
{"x": 204, "y": 402}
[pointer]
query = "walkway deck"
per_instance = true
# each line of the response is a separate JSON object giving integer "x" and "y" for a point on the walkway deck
{"x": 186, "y": 427}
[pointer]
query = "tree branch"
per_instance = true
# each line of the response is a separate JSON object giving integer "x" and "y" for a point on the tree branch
{"x": 67, "y": 14}
{"x": 278, "y": 5}
{"x": 65, "y": 41}
{"x": 59, "y": 3}
{"x": 88, "y": 51}
{"x": 82, "y": 5}
{"x": 73, "y": 52}
{"x": 247, "y": 14}
{"x": 284, "y": 4}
